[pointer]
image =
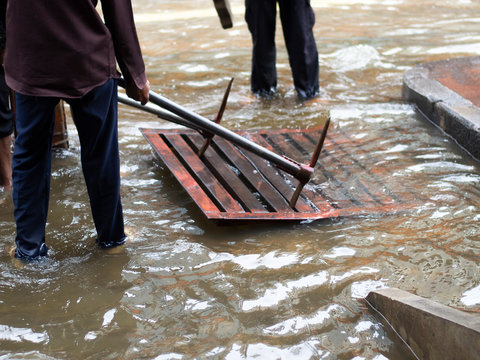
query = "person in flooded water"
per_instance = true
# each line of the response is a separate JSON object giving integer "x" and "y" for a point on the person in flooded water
{"x": 297, "y": 19}
{"x": 64, "y": 50}
{"x": 6, "y": 130}
{"x": 6, "y": 116}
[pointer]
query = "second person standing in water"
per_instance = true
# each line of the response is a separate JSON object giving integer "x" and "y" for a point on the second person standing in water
{"x": 297, "y": 18}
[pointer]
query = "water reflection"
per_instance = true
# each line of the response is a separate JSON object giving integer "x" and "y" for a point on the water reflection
{"x": 8, "y": 333}
{"x": 187, "y": 288}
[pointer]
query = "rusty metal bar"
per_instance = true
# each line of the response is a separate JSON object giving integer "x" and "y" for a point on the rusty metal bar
{"x": 218, "y": 118}
{"x": 313, "y": 162}
{"x": 301, "y": 172}
{"x": 155, "y": 111}
{"x": 276, "y": 179}
{"x": 183, "y": 176}
{"x": 262, "y": 184}
{"x": 229, "y": 179}
{"x": 211, "y": 183}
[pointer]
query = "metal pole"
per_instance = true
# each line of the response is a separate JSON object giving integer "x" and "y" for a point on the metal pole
{"x": 283, "y": 162}
{"x": 302, "y": 172}
{"x": 161, "y": 114}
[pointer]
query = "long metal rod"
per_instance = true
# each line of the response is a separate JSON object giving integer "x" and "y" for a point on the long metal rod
{"x": 300, "y": 171}
{"x": 155, "y": 111}
{"x": 218, "y": 118}
{"x": 313, "y": 162}
{"x": 286, "y": 164}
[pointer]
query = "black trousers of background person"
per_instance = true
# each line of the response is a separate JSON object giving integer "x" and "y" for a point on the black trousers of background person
{"x": 297, "y": 19}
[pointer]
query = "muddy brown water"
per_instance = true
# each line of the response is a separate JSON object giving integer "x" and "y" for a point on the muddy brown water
{"x": 187, "y": 288}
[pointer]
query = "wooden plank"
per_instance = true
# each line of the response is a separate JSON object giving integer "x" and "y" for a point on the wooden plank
{"x": 270, "y": 194}
{"x": 181, "y": 174}
{"x": 204, "y": 175}
{"x": 229, "y": 179}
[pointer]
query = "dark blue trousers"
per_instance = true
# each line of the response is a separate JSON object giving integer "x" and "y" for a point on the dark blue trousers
{"x": 95, "y": 116}
{"x": 297, "y": 18}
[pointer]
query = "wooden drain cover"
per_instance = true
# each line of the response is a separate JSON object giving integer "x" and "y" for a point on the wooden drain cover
{"x": 229, "y": 183}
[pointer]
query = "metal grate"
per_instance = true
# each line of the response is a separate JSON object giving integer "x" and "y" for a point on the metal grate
{"x": 229, "y": 183}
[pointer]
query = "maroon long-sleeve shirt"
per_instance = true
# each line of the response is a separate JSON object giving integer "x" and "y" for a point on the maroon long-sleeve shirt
{"x": 63, "y": 48}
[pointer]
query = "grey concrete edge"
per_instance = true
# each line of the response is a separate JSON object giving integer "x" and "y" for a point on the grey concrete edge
{"x": 455, "y": 115}
{"x": 430, "y": 330}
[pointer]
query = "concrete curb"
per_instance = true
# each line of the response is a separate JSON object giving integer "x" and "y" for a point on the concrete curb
{"x": 433, "y": 331}
{"x": 453, "y": 113}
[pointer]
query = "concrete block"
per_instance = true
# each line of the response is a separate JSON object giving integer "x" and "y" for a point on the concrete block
{"x": 454, "y": 113}
{"x": 433, "y": 331}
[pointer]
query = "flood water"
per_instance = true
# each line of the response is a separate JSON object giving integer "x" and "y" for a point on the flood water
{"x": 188, "y": 288}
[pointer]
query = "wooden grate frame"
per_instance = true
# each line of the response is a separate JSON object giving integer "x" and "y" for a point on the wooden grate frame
{"x": 230, "y": 183}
